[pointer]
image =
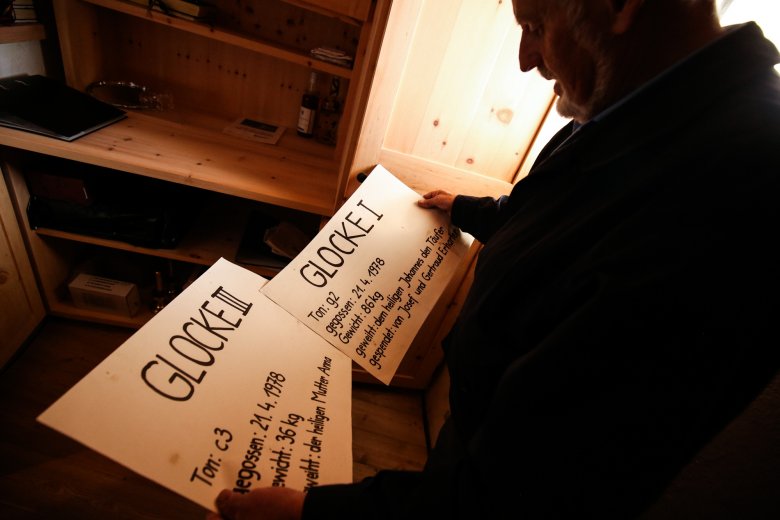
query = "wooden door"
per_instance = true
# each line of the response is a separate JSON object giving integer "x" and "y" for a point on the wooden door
{"x": 21, "y": 307}
{"x": 449, "y": 107}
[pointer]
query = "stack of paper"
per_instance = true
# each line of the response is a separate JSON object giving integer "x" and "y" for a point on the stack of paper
{"x": 332, "y": 56}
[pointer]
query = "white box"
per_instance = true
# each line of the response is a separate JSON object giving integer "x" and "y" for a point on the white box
{"x": 104, "y": 294}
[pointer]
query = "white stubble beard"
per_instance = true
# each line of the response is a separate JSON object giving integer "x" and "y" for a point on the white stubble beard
{"x": 604, "y": 71}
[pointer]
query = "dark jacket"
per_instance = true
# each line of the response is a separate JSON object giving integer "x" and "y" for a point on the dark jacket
{"x": 624, "y": 306}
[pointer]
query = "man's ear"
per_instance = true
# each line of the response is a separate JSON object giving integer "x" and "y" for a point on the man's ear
{"x": 625, "y": 14}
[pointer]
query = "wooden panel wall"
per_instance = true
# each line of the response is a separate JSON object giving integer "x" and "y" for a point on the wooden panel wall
{"x": 295, "y": 27}
{"x": 202, "y": 75}
{"x": 462, "y": 101}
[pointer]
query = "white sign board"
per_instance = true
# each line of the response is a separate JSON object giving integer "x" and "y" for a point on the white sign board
{"x": 369, "y": 279}
{"x": 222, "y": 389}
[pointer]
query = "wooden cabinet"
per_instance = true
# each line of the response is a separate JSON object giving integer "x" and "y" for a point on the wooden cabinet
{"x": 251, "y": 60}
{"x": 219, "y": 222}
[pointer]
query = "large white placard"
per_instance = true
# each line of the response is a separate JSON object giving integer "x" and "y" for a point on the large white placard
{"x": 222, "y": 389}
{"x": 371, "y": 276}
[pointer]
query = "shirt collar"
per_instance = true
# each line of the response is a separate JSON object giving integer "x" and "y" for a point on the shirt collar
{"x": 647, "y": 85}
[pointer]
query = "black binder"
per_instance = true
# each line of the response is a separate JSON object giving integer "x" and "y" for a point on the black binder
{"x": 253, "y": 250}
{"x": 46, "y": 106}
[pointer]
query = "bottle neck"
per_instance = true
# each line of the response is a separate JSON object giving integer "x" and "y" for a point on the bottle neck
{"x": 335, "y": 85}
{"x": 312, "y": 82}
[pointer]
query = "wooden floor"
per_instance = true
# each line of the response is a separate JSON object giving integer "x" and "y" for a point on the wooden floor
{"x": 44, "y": 474}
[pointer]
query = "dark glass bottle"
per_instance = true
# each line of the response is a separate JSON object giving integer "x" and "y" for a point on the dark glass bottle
{"x": 309, "y": 105}
{"x": 158, "y": 294}
{"x": 172, "y": 288}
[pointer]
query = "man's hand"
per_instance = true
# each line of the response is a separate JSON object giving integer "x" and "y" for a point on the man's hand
{"x": 270, "y": 503}
{"x": 438, "y": 199}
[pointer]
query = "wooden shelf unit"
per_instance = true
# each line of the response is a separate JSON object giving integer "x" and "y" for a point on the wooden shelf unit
{"x": 253, "y": 62}
{"x": 200, "y": 157}
{"x": 241, "y": 65}
{"x": 216, "y": 234}
{"x": 213, "y": 32}
{"x": 58, "y": 255}
{"x": 215, "y": 74}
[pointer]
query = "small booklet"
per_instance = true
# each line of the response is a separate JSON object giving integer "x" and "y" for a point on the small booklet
{"x": 45, "y": 106}
{"x": 255, "y": 130}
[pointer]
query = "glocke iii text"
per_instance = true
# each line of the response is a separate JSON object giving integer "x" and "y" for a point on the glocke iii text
{"x": 183, "y": 365}
{"x": 286, "y": 434}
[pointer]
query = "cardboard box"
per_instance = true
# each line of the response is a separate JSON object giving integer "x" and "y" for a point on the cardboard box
{"x": 104, "y": 294}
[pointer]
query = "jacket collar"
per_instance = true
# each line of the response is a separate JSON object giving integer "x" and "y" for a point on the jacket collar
{"x": 673, "y": 97}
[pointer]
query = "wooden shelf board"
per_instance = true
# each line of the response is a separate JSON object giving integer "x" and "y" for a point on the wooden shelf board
{"x": 22, "y": 32}
{"x": 353, "y": 12}
{"x": 202, "y": 158}
{"x": 273, "y": 49}
{"x": 183, "y": 254}
{"x": 66, "y": 309}
{"x": 215, "y": 234}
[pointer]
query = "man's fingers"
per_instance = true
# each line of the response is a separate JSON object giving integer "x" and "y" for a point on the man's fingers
{"x": 226, "y": 505}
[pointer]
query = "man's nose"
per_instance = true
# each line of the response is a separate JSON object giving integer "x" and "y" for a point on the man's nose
{"x": 528, "y": 54}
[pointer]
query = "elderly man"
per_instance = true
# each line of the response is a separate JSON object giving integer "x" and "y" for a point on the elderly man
{"x": 624, "y": 305}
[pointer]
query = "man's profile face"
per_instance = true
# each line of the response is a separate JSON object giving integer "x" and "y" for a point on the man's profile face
{"x": 558, "y": 41}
